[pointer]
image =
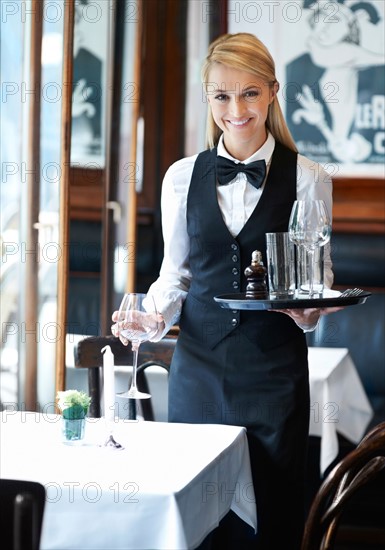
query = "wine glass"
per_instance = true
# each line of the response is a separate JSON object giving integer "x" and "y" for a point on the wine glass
{"x": 310, "y": 227}
{"x": 138, "y": 320}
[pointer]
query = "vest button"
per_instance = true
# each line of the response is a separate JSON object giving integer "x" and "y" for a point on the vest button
{"x": 234, "y": 322}
{"x": 234, "y": 258}
{"x": 235, "y": 284}
{"x": 234, "y": 247}
{"x": 235, "y": 271}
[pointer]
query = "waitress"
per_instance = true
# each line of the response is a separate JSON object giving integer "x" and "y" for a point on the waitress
{"x": 229, "y": 367}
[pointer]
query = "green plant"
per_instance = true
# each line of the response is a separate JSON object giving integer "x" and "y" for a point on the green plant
{"x": 73, "y": 404}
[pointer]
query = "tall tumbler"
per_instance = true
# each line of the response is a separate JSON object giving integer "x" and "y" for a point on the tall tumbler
{"x": 280, "y": 253}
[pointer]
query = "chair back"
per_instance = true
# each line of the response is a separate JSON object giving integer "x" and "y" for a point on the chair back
{"x": 22, "y": 509}
{"x": 88, "y": 355}
{"x": 352, "y": 473}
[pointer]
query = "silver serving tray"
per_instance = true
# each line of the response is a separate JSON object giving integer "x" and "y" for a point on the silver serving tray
{"x": 330, "y": 298}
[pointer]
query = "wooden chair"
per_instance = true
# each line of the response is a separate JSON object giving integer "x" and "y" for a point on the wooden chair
{"x": 351, "y": 474}
{"x": 22, "y": 510}
{"x": 88, "y": 355}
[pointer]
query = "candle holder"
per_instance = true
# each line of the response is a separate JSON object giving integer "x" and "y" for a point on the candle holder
{"x": 109, "y": 397}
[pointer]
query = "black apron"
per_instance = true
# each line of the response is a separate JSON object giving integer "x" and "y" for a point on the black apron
{"x": 245, "y": 368}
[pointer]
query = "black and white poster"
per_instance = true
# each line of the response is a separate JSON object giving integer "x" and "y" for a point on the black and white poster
{"x": 89, "y": 82}
{"x": 330, "y": 60}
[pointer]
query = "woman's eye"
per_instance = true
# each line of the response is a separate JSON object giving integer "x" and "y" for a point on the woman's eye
{"x": 221, "y": 97}
{"x": 251, "y": 94}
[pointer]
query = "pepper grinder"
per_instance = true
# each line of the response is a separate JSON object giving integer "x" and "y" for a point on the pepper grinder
{"x": 255, "y": 273}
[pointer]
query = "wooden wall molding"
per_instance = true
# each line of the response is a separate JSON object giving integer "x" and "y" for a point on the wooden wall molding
{"x": 359, "y": 205}
{"x": 32, "y": 213}
{"x": 86, "y": 194}
{"x": 64, "y": 215}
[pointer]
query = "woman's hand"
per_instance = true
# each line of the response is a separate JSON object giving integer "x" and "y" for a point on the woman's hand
{"x": 307, "y": 319}
{"x": 136, "y": 324}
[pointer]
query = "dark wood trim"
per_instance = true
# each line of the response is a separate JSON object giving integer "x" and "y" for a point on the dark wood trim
{"x": 174, "y": 86}
{"x": 85, "y": 275}
{"x": 131, "y": 231}
{"x": 163, "y": 97}
{"x": 218, "y": 18}
{"x": 33, "y": 208}
{"x": 86, "y": 197}
{"x": 163, "y": 82}
{"x": 359, "y": 205}
{"x": 114, "y": 83}
{"x": 65, "y": 157}
{"x": 164, "y": 92}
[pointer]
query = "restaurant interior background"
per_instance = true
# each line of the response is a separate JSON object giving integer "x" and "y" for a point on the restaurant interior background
{"x": 99, "y": 97}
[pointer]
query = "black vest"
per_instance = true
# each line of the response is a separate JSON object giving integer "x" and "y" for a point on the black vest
{"x": 218, "y": 260}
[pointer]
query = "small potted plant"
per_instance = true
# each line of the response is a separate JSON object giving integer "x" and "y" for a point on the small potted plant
{"x": 74, "y": 406}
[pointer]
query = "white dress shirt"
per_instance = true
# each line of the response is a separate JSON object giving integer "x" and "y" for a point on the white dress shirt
{"x": 237, "y": 202}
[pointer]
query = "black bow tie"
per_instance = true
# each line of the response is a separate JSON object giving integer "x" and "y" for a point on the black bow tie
{"x": 227, "y": 170}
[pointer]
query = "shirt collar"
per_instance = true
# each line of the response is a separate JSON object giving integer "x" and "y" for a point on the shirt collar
{"x": 264, "y": 153}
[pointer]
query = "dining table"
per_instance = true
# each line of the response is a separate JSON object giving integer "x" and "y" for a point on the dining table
{"x": 167, "y": 488}
{"x": 338, "y": 401}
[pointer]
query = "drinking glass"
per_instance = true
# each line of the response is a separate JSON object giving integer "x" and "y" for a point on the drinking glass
{"x": 138, "y": 322}
{"x": 310, "y": 227}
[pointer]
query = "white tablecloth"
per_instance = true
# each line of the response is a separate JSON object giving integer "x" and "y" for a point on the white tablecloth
{"x": 337, "y": 399}
{"x": 167, "y": 489}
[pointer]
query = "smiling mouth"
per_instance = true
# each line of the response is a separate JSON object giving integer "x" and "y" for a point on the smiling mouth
{"x": 239, "y": 122}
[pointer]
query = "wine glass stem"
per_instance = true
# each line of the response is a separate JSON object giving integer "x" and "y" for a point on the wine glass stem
{"x": 135, "y": 351}
{"x": 311, "y": 272}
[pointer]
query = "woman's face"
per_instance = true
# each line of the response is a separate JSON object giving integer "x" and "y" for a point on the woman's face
{"x": 239, "y": 104}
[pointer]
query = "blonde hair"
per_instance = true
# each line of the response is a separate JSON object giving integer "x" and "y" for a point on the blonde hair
{"x": 245, "y": 52}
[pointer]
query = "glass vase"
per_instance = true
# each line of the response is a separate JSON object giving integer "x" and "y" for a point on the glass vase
{"x": 73, "y": 429}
